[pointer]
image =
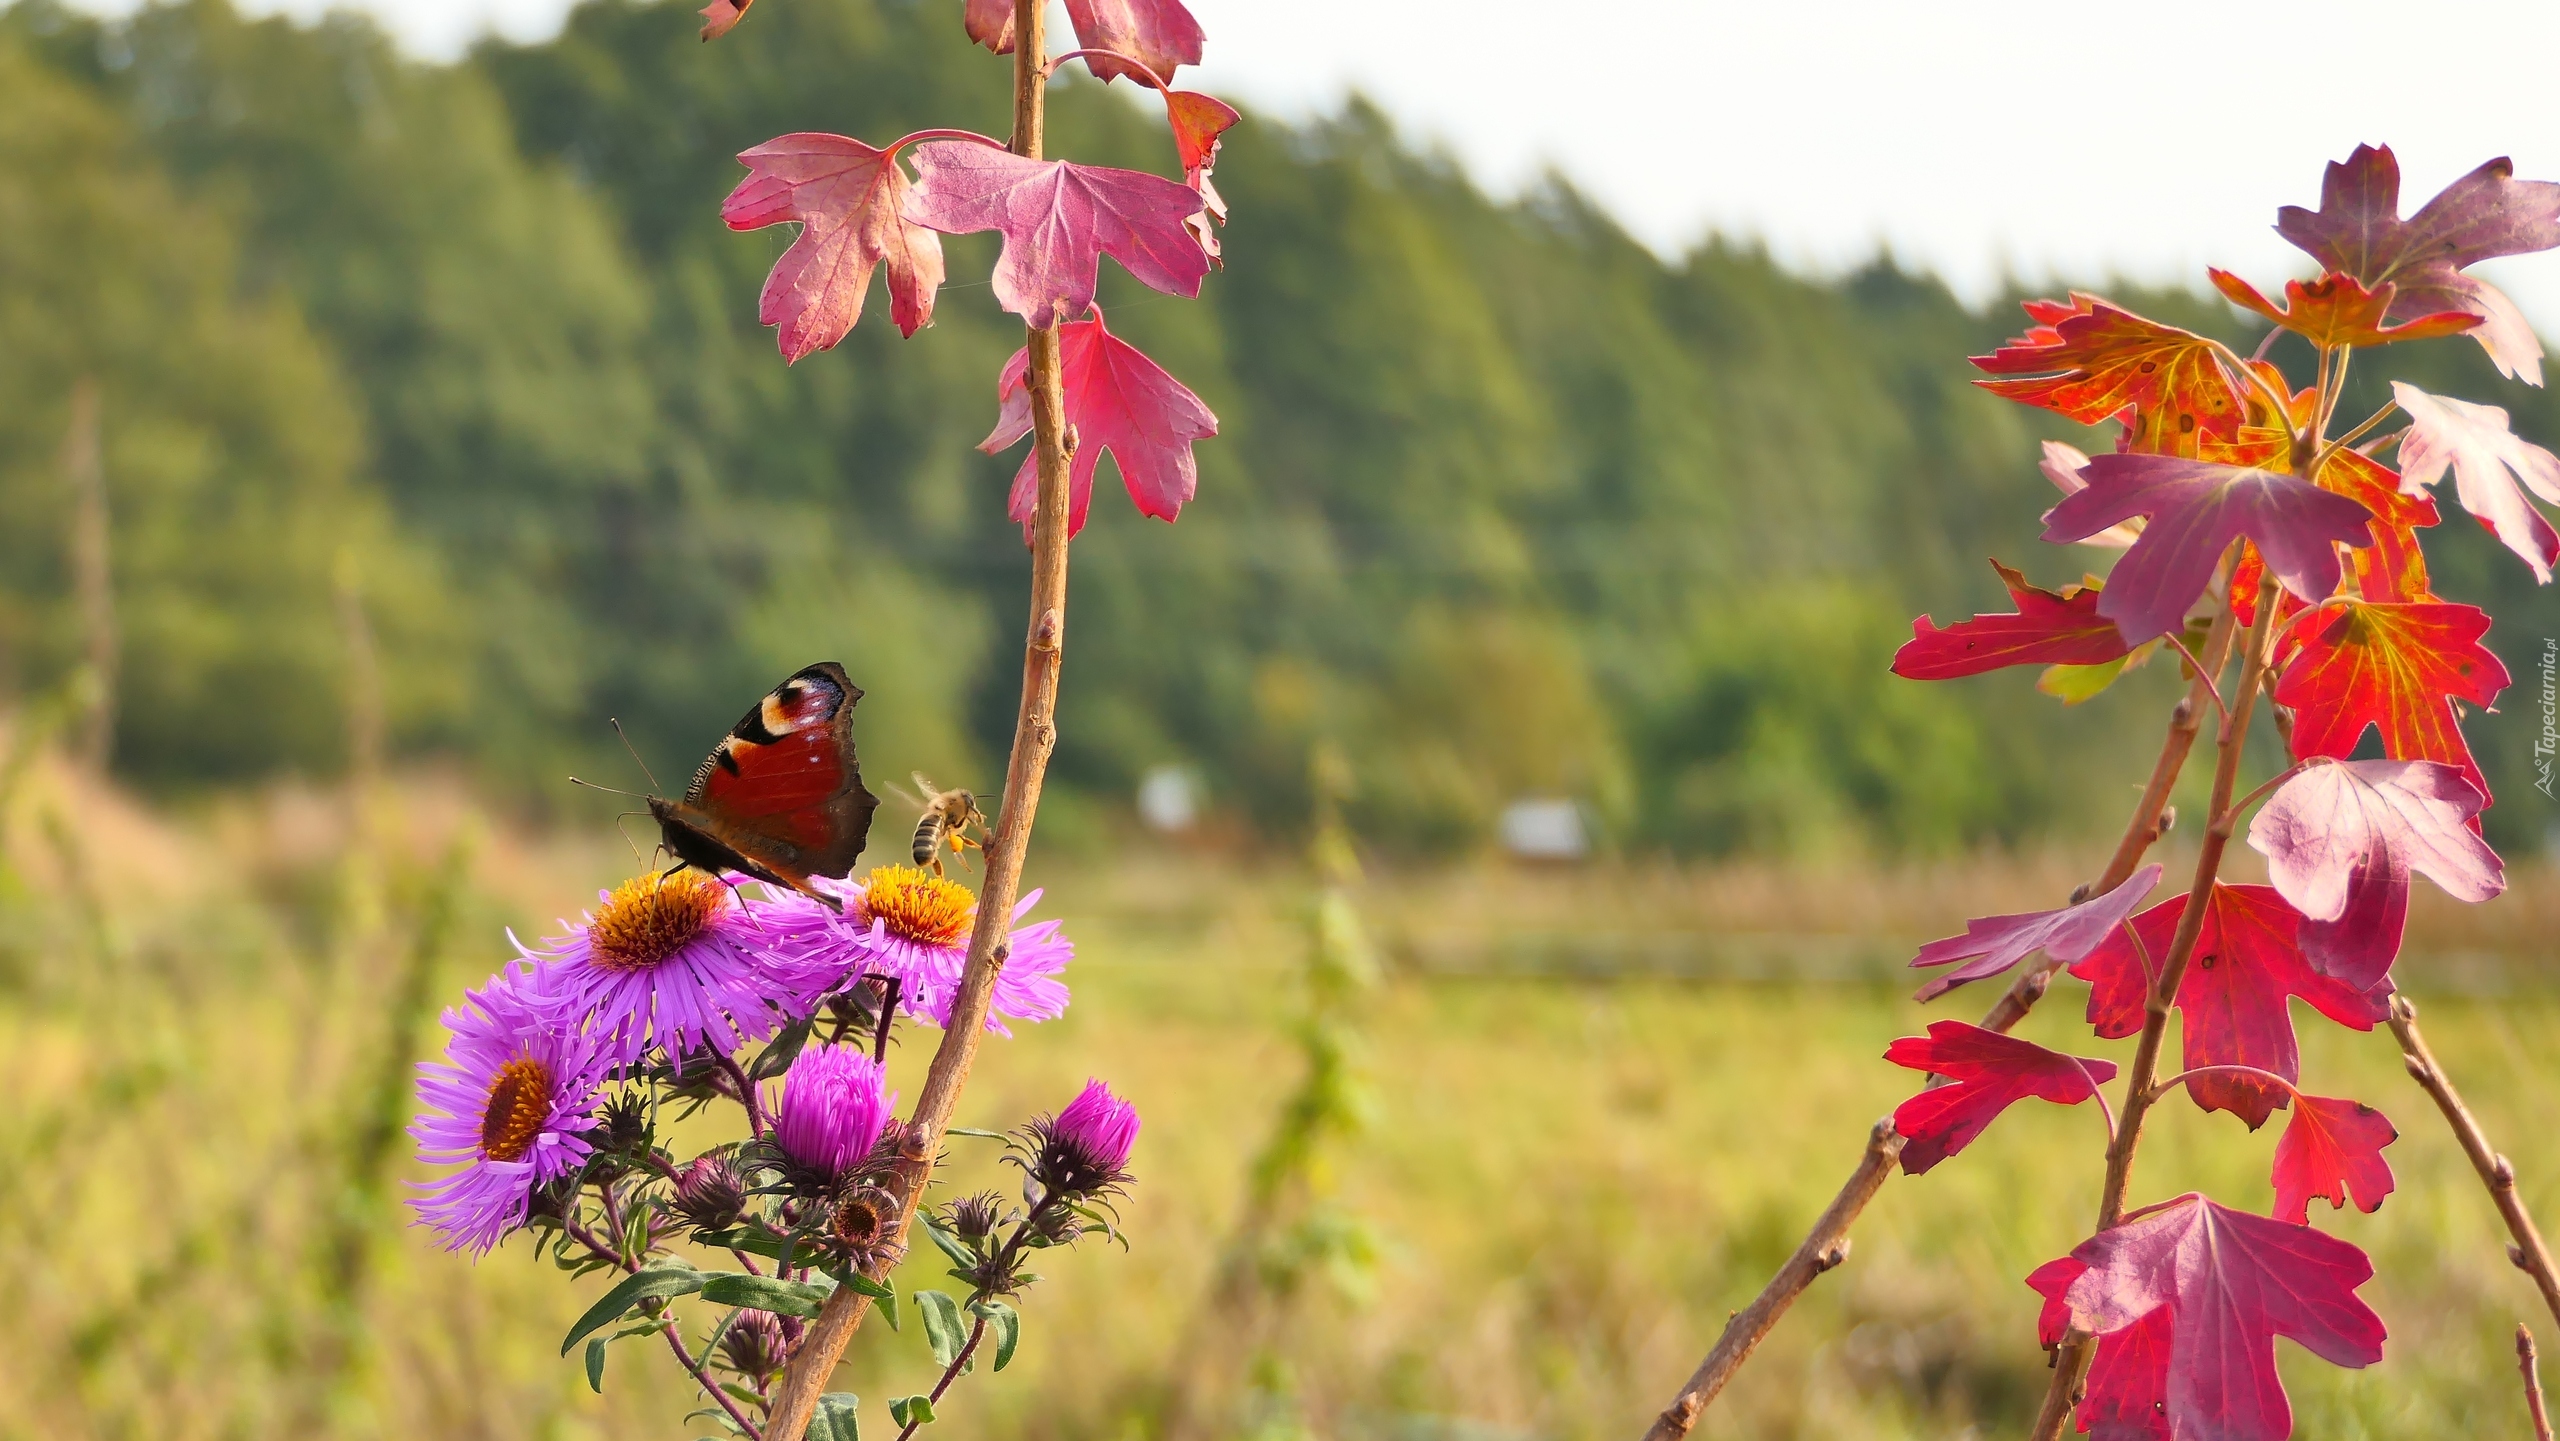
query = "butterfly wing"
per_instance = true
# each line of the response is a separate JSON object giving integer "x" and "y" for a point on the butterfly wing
{"x": 781, "y": 797}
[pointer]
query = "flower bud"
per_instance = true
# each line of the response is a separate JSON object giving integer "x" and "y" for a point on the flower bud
{"x": 974, "y": 1218}
{"x": 759, "y": 1343}
{"x": 864, "y": 1228}
{"x": 710, "y": 1195}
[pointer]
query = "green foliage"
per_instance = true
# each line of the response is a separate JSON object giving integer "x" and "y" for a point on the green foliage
{"x": 1503, "y": 504}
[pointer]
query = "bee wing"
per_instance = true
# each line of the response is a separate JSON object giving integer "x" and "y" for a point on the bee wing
{"x": 926, "y": 789}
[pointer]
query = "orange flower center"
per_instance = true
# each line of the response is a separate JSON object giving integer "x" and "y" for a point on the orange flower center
{"x": 917, "y": 905}
{"x": 519, "y": 1098}
{"x": 650, "y": 918}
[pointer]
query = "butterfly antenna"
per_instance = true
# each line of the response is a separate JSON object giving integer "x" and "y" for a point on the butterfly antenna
{"x": 636, "y": 861}
{"x": 616, "y": 723}
{"x": 608, "y": 790}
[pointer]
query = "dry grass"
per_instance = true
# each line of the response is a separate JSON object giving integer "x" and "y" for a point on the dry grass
{"x": 1577, "y": 1175}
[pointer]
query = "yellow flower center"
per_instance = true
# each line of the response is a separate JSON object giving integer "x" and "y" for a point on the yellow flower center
{"x": 917, "y": 905}
{"x": 650, "y": 918}
{"x": 519, "y": 1098}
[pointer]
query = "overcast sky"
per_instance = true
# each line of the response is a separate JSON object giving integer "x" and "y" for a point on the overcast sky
{"x": 1976, "y": 138}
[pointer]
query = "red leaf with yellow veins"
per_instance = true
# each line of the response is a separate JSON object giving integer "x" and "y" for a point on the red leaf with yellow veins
{"x": 1198, "y": 120}
{"x": 2048, "y": 628}
{"x": 1991, "y": 1072}
{"x": 2337, "y": 310}
{"x": 2341, "y": 839}
{"x": 2231, "y": 1283}
{"x": 2246, "y": 964}
{"x": 847, "y": 198}
{"x": 2485, "y": 214}
{"x": 2397, "y": 668}
{"x": 2332, "y": 1149}
{"x": 2196, "y": 509}
{"x": 2492, "y": 468}
{"x": 2093, "y": 362}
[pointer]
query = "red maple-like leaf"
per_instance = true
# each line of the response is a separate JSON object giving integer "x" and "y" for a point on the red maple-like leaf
{"x": 1116, "y": 400}
{"x": 1159, "y": 34}
{"x": 2126, "y": 1398}
{"x": 2332, "y": 1148}
{"x": 2048, "y": 628}
{"x": 990, "y": 23}
{"x": 2487, "y": 461}
{"x": 2397, "y": 668}
{"x": 2484, "y": 214}
{"x": 2232, "y": 1282}
{"x": 1990, "y": 1073}
{"x": 1992, "y": 944}
{"x": 2337, "y": 310}
{"x": 2093, "y": 362}
{"x": 2247, "y": 961}
{"x": 1058, "y": 219}
{"x": 722, "y": 16}
{"x": 2062, "y": 465}
{"x": 2196, "y": 510}
{"x": 2341, "y": 839}
{"x": 1198, "y": 120}
{"x": 846, "y": 197}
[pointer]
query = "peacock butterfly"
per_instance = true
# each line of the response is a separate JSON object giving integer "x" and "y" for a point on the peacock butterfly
{"x": 781, "y": 797}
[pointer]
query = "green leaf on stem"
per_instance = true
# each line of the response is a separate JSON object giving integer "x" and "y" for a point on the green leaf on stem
{"x": 595, "y": 1365}
{"x": 942, "y": 1328}
{"x": 888, "y": 1308}
{"x": 658, "y": 1282}
{"x": 951, "y": 1245}
{"x": 781, "y": 1051}
{"x": 876, "y": 1290}
{"x": 834, "y": 1419}
{"x": 2072, "y": 684}
{"x": 912, "y": 1410}
{"x": 767, "y": 1293}
{"x": 1004, "y": 1323}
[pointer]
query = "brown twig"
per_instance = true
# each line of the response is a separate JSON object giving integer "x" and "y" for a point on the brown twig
{"x": 2532, "y": 1383}
{"x": 1035, "y": 734}
{"x": 2071, "y": 1361}
{"x": 1824, "y": 1248}
{"x": 2496, "y": 1172}
{"x": 950, "y": 1373}
{"x": 1830, "y": 1235}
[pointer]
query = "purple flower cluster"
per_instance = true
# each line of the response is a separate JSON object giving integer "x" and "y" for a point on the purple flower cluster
{"x": 675, "y": 965}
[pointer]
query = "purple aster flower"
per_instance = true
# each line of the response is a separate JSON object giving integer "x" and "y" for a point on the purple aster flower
{"x": 835, "y": 1103}
{"x": 1084, "y": 1149}
{"x": 913, "y": 926}
{"x": 511, "y": 1102}
{"x": 668, "y": 960}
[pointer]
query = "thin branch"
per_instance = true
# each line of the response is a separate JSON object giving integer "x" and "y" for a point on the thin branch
{"x": 2496, "y": 1172}
{"x": 2525, "y": 1360}
{"x": 2162, "y": 1088}
{"x": 1132, "y": 61}
{"x": 2259, "y": 792}
{"x": 888, "y": 1016}
{"x": 950, "y": 1373}
{"x": 667, "y": 1328}
{"x": 2179, "y": 644}
{"x": 2071, "y": 1361}
{"x": 2282, "y": 403}
{"x": 1035, "y": 735}
{"x": 747, "y": 1097}
{"x": 2352, "y": 436}
{"x": 1824, "y": 1248}
{"x": 1830, "y": 1235}
{"x": 903, "y": 141}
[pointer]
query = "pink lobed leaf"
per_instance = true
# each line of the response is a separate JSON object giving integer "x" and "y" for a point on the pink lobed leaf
{"x": 2341, "y": 839}
{"x": 2196, "y": 509}
{"x": 722, "y": 16}
{"x": 2230, "y": 1282}
{"x": 2126, "y": 1398}
{"x": 2048, "y": 628}
{"x": 2231, "y": 998}
{"x": 2062, "y": 465}
{"x": 2487, "y": 461}
{"x": 2331, "y": 1149}
{"x": 1116, "y": 400}
{"x": 1992, "y": 944}
{"x": 1990, "y": 1073}
{"x": 2485, "y": 214}
{"x": 1058, "y": 219}
{"x": 846, "y": 197}
{"x": 1159, "y": 34}
{"x": 990, "y": 23}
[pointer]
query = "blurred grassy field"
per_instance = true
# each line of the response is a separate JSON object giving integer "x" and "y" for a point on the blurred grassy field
{"x": 1607, "y": 1102}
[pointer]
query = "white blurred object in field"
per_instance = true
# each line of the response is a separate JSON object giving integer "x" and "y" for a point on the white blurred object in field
{"x": 1169, "y": 799}
{"x": 1544, "y": 830}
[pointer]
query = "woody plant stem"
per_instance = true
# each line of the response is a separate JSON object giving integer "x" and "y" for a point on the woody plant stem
{"x": 2071, "y": 1360}
{"x": 1035, "y": 734}
{"x": 1827, "y": 1244}
{"x": 2528, "y": 1253}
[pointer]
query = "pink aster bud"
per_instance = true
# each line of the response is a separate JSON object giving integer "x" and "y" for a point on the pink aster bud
{"x": 1087, "y": 1146}
{"x": 835, "y": 1103}
{"x": 709, "y": 1193}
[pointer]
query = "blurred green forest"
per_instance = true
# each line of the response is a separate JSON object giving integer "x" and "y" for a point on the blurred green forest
{"x": 1503, "y": 503}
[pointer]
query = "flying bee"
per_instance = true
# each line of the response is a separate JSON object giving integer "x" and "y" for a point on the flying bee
{"x": 947, "y": 817}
